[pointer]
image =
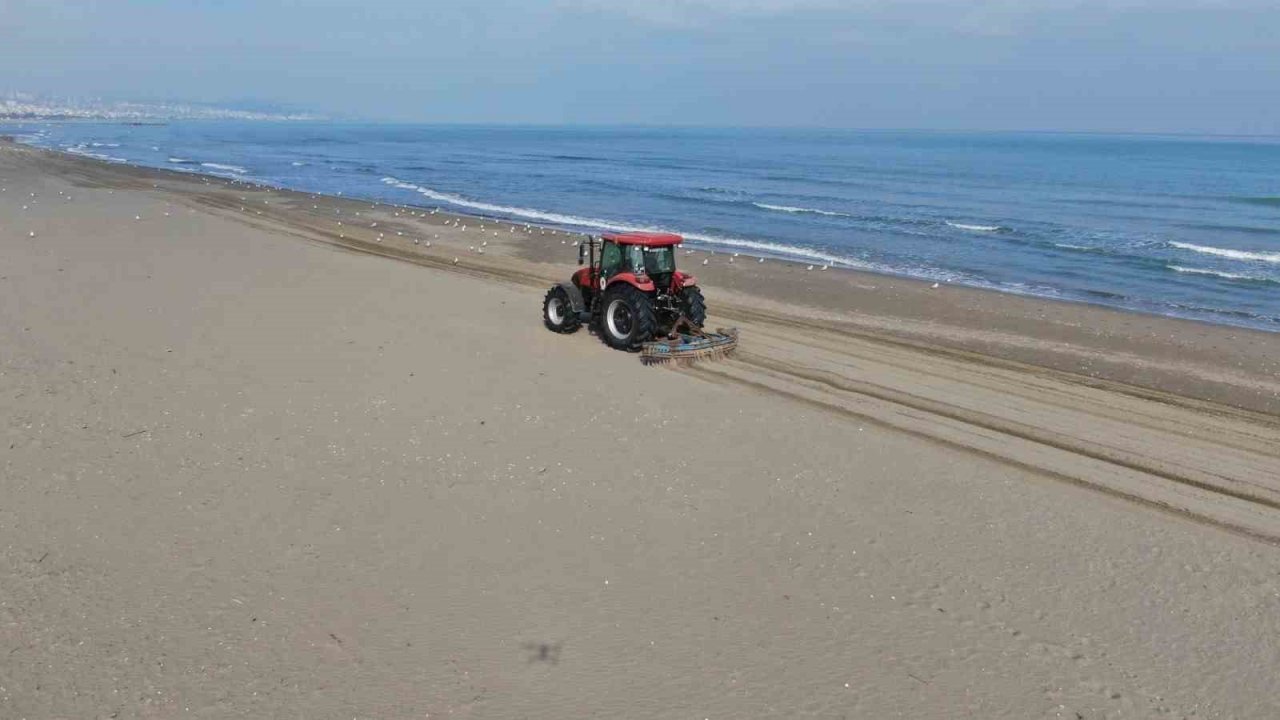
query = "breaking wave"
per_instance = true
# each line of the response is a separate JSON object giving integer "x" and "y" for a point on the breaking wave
{"x": 799, "y": 210}
{"x": 228, "y": 168}
{"x": 1220, "y": 274}
{"x": 1268, "y": 257}
{"x": 82, "y": 151}
{"x": 976, "y": 228}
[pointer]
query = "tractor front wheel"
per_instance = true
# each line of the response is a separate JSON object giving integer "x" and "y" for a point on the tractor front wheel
{"x": 558, "y": 313}
{"x": 627, "y": 319}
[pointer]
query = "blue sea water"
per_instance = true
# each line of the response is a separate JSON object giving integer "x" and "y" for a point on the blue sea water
{"x": 1186, "y": 226}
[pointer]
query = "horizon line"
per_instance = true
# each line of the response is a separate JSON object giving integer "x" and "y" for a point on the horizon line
{"x": 673, "y": 126}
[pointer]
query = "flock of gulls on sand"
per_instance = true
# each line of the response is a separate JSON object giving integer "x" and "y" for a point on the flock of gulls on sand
{"x": 456, "y": 223}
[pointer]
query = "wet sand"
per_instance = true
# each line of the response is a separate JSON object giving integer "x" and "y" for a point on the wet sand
{"x": 255, "y": 463}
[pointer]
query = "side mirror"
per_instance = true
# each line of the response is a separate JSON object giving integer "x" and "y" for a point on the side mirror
{"x": 582, "y": 249}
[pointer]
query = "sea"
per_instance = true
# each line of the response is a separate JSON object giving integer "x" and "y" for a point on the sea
{"x": 1174, "y": 225}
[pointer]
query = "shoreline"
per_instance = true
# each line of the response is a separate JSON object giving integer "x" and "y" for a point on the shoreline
{"x": 251, "y": 468}
{"x": 1233, "y": 365}
{"x": 1119, "y": 302}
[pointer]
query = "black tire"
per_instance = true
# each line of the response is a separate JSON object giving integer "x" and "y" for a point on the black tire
{"x": 626, "y": 317}
{"x": 694, "y": 307}
{"x": 558, "y": 313}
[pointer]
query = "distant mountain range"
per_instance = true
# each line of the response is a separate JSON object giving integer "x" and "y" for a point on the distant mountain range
{"x": 17, "y": 106}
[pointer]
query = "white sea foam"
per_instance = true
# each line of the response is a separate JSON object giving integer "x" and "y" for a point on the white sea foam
{"x": 1069, "y": 246}
{"x": 1269, "y": 257}
{"x": 180, "y": 161}
{"x": 229, "y": 168}
{"x": 777, "y": 250}
{"x": 974, "y": 228}
{"x": 799, "y": 210}
{"x": 296, "y": 163}
{"x": 81, "y": 151}
{"x": 1217, "y": 273}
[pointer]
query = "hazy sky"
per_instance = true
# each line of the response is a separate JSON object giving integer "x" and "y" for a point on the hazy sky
{"x": 1140, "y": 65}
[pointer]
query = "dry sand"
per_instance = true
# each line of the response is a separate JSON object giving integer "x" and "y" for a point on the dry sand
{"x": 254, "y": 463}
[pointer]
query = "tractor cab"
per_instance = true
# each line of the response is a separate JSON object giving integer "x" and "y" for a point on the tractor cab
{"x": 639, "y": 258}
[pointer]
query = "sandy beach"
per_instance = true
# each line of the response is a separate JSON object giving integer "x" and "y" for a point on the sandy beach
{"x": 269, "y": 454}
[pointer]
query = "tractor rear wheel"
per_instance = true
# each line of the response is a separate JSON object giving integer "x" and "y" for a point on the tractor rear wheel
{"x": 627, "y": 318}
{"x": 694, "y": 307}
{"x": 558, "y": 313}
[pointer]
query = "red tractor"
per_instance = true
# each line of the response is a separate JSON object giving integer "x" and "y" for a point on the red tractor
{"x": 629, "y": 288}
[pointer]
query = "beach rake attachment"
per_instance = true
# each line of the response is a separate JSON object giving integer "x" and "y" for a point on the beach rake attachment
{"x": 687, "y": 343}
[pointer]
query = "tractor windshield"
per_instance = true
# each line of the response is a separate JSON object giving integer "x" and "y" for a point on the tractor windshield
{"x": 641, "y": 260}
{"x": 659, "y": 260}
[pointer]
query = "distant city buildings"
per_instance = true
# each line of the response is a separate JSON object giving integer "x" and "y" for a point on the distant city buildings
{"x": 18, "y": 106}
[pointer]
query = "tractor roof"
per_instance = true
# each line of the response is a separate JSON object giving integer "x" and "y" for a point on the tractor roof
{"x": 648, "y": 239}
